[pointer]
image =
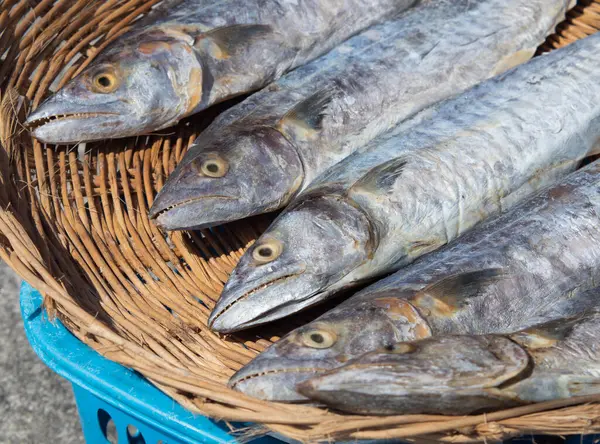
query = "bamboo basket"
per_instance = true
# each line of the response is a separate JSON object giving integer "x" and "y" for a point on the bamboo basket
{"x": 73, "y": 223}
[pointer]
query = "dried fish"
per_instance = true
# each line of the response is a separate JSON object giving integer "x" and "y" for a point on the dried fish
{"x": 457, "y": 375}
{"x": 190, "y": 54}
{"x": 538, "y": 262}
{"x": 257, "y": 156}
{"x": 412, "y": 192}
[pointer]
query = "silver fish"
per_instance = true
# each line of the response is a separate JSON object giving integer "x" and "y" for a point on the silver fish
{"x": 190, "y": 54}
{"x": 411, "y": 192}
{"x": 535, "y": 263}
{"x": 457, "y": 375}
{"x": 265, "y": 151}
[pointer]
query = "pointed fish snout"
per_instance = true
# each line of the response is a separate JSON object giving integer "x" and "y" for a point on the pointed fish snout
{"x": 163, "y": 201}
{"x": 172, "y": 213}
{"x": 240, "y": 317}
{"x": 259, "y": 303}
{"x": 61, "y": 121}
{"x": 274, "y": 378}
{"x": 232, "y": 318}
{"x": 219, "y": 324}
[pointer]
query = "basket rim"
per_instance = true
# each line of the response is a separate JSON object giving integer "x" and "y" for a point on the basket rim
{"x": 119, "y": 387}
{"x": 74, "y": 226}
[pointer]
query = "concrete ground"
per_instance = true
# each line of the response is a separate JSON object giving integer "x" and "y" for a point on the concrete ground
{"x": 36, "y": 406}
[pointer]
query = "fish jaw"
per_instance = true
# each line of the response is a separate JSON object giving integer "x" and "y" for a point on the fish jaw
{"x": 270, "y": 379}
{"x": 263, "y": 303}
{"x": 324, "y": 344}
{"x": 313, "y": 246}
{"x": 184, "y": 214}
{"x": 141, "y": 84}
{"x": 260, "y": 172}
{"x": 358, "y": 391}
{"x": 60, "y": 121}
{"x": 451, "y": 375}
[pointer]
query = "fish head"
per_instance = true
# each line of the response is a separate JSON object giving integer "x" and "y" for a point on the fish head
{"x": 137, "y": 87}
{"x": 447, "y": 375}
{"x": 228, "y": 174}
{"x": 306, "y": 249}
{"x": 338, "y": 336}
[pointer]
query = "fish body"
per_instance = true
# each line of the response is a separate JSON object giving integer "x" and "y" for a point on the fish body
{"x": 458, "y": 375}
{"x": 190, "y": 54}
{"x": 538, "y": 262}
{"x": 269, "y": 148}
{"x": 411, "y": 192}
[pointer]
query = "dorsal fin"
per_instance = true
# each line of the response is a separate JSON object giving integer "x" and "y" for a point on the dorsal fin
{"x": 548, "y": 334}
{"x": 230, "y": 39}
{"x": 306, "y": 117}
{"x": 448, "y": 295}
{"x": 383, "y": 177}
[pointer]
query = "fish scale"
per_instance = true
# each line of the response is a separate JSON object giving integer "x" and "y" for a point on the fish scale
{"x": 335, "y": 105}
{"x": 191, "y": 54}
{"x": 538, "y": 262}
{"x": 555, "y": 360}
{"x": 568, "y": 86}
{"x": 398, "y": 198}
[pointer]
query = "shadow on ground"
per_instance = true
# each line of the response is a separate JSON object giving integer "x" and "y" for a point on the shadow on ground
{"x": 36, "y": 406}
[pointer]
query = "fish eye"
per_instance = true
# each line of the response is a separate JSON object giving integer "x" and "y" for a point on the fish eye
{"x": 267, "y": 251}
{"x": 214, "y": 167}
{"x": 319, "y": 338}
{"x": 105, "y": 82}
{"x": 402, "y": 348}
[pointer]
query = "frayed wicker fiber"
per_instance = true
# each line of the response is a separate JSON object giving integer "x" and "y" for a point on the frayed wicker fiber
{"x": 73, "y": 223}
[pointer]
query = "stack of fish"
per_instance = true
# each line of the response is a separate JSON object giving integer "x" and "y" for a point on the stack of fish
{"x": 424, "y": 119}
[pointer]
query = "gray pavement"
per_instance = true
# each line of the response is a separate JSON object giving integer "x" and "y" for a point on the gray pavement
{"x": 36, "y": 406}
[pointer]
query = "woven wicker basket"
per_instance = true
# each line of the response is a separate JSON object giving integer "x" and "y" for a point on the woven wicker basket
{"x": 73, "y": 223}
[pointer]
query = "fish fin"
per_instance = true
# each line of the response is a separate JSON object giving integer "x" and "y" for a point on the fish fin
{"x": 515, "y": 59}
{"x": 546, "y": 335}
{"x": 229, "y": 39}
{"x": 424, "y": 246}
{"x": 595, "y": 150}
{"x": 402, "y": 314}
{"x": 544, "y": 385}
{"x": 580, "y": 385}
{"x": 448, "y": 295}
{"x": 382, "y": 177}
{"x": 306, "y": 117}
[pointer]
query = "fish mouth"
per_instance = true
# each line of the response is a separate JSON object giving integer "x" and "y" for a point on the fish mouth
{"x": 155, "y": 213}
{"x": 275, "y": 384}
{"x": 216, "y": 316}
{"x": 233, "y": 384}
{"x": 40, "y": 122}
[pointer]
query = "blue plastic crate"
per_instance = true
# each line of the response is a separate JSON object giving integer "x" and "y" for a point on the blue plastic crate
{"x": 107, "y": 391}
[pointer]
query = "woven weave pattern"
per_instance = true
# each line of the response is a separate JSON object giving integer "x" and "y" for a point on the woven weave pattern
{"x": 73, "y": 223}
